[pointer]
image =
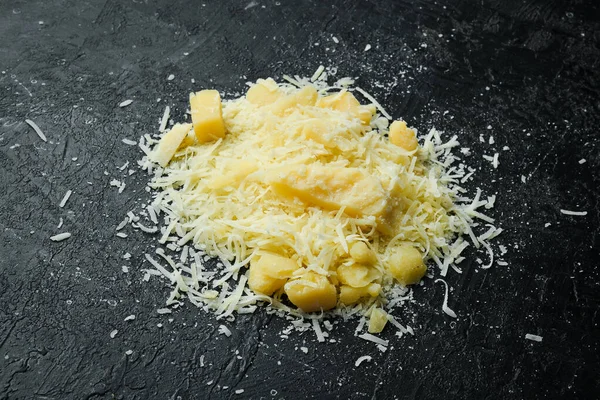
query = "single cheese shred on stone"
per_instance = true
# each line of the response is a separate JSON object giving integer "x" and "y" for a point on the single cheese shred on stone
{"x": 308, "y": 199}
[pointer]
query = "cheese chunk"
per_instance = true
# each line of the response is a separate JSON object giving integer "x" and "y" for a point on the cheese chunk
{"x": 346, "y": 102}
{"x": 330, "y": 188}
{"x": 270, "y": 272}
{"x": 207, "y": 115}
{"x": 356, "y": 275}
{"x": 361, "y": 253}
{"x": 402, "y": 136}
{"x": 311, "y": 292}
{"x": 170, "y": 142}
{"x": 264, "y": 92}
{"x": 351, "y": 295}
{"x": 307, "y": 96}
{"x": 378, "y": 320}
{"x": 405, "y": 264}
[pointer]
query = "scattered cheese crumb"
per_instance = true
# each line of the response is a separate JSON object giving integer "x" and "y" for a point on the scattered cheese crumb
{"x": 129, "y": 318}
{"x": 304, "y": 349}
{"x": 335, "y": 40}
{"x": 129, "y": 352}
{"x": 170, "y": 77}
{"x": 582, "y": 161}
{"x": 367, "y": 47}
{"x": 125, "y": 268}
{"x": 125, "y": 103}
{"x": 239, "y": 391}
{"x": 113, "y": 333}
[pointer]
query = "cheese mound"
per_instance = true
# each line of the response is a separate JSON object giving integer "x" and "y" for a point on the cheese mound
{"x": 311, "y": 200}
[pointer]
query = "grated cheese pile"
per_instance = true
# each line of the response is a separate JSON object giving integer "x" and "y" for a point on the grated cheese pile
{"x": 277, "y": 182}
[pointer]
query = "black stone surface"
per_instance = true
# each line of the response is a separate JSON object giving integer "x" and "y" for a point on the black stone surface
{"x": 528, "y": 69}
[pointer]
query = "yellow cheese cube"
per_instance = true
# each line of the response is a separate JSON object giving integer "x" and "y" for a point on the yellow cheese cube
{"x": 361, "y": 253}
{"x": 311, "y": 292}
{"x": 350, "y": 295}
{"x": 378, "y": 320}
{"x": 330, "y": 188}
{"x": 170, "y": 142}
{"x": 269, "y": 272}
{"x": 402, "y": 136}
{"x": 307, "y": 96}
{"x": 346, "y": 102}
{"x": 264, "y": 92}
{"x": 405, "y": 264}
{"x": 260, "y": 282}
{"x": 357, "y": 275}
{"x": 207, "y": 115}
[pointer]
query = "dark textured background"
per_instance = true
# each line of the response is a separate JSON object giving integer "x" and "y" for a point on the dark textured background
{"x": 59, "y": 301}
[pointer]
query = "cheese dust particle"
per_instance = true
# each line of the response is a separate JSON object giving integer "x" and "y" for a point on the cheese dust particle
{"x": 125, "y": 103}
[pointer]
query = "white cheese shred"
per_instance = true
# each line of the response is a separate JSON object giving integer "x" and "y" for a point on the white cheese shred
{"x": 125, "y": 103}
{"x": 165, "y": 119}
{"x": 362, "y": 359}
{"x": 129, "y": 142}
{"x": 60, "y": 237}
{"x": 574, "y": 213}
{"x": 535, "y": 338}
{"x": 445, "y": 307}
{"x": 372, "y": 338}
{"x": 317, "y": 73}
{"x": 36, "y": 129}
{"x": 318, "y": 331}
{"x": 64, "y": 200}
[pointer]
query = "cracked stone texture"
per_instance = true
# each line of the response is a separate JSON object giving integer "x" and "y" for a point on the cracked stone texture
{"x": 528, "y": 71}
